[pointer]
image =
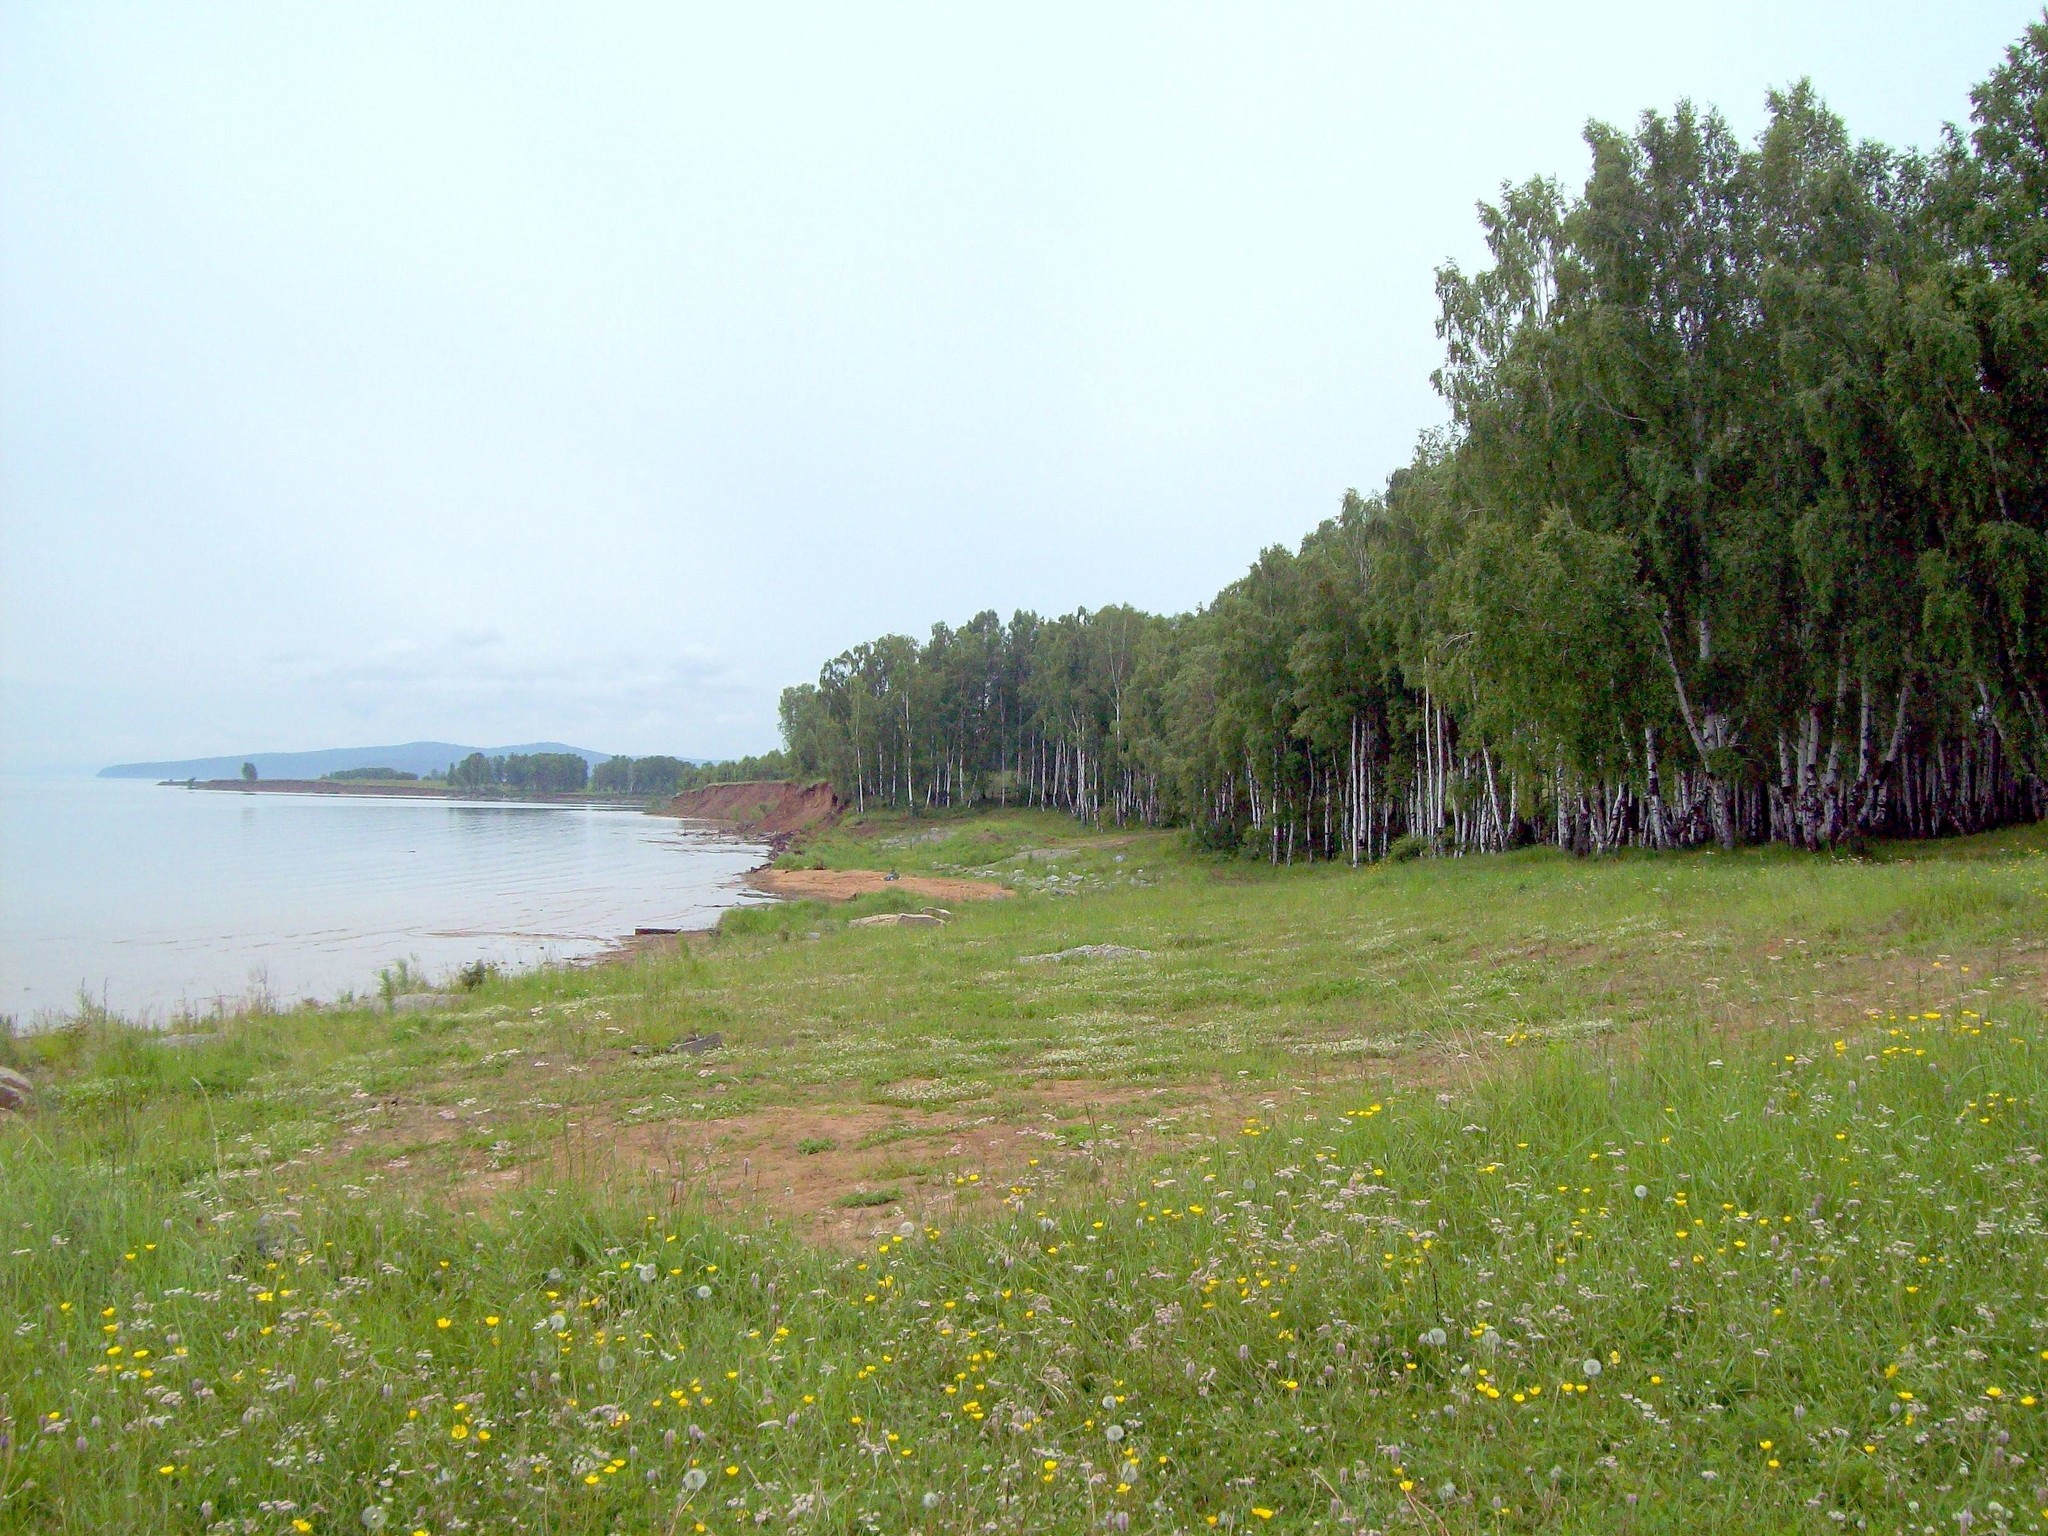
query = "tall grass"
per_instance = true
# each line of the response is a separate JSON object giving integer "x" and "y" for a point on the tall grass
{"x": 1684, "y": 1293}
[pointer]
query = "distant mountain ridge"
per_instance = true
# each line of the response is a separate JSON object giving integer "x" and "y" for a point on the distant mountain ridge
{"x": 407, "y": 757}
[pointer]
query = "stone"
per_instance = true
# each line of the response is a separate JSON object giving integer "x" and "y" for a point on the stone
{"x": 690, "y": 1045}
{"x": 899, "y": 920}
{"x": 14, "y": 1089}
{"x": 423, "y": 1002}
{"x": 1088, "y": 952}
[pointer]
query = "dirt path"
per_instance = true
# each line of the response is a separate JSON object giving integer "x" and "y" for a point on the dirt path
{"x": 845, "y": 884}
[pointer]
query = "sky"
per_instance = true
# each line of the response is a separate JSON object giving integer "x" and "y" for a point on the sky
{"x": 494, "y": 373}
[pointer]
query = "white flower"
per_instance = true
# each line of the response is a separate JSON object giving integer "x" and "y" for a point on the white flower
{"x": 646, "y": 1272}
{"x": 1642, "y": 1191}
{"x": 1435, "y": 1338}
{"x": 694, "y": 1479}
{"x": 1109, "y": 1403}
{"x": 933, "y": 1498}
{"x": 1589, "y": 1368}
{"x": 703, "y": 1293}
{"x": 1114, "y": 1433}
{"x": 374, "y": 1517}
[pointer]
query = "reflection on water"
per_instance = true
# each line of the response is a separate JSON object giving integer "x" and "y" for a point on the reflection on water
{"x": 160, "y": 900}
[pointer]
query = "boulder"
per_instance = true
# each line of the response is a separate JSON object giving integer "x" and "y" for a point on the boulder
{"x": 899, "y": 920}
{"x": 14, "y": 1089}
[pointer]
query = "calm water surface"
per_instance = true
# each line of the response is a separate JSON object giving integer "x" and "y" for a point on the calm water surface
{"x": 163, "y": 901}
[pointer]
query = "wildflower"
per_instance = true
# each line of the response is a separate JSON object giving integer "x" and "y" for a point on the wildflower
{"x": 441, "y": 1322}
{"x": 1589, "y": 1368}
{"x": 695, "y": 1479}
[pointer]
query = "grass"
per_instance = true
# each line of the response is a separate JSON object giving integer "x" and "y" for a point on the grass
{"x": 1694, "y": 1193}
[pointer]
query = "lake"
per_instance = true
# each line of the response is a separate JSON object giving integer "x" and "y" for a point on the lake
{"x": 164, "y": 901}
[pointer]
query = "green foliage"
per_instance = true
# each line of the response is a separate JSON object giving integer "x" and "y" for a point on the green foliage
{"x": 1740, "y": 533}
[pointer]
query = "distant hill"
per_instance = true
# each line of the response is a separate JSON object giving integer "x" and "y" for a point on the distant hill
{"x": 410, "y": 757}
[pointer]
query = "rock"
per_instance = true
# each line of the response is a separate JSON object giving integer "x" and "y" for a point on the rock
{"x": 14, "y": 1089}
{"x": 690, "y": 1045}
{"x": 423, "y": 1002}
{"x": 899, "y": 920}
{"x": 274, "y": 1233}
{"x": 1088, "y": 952}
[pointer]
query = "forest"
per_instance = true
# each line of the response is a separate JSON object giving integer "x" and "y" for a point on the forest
{"x": 1737, "y": 533}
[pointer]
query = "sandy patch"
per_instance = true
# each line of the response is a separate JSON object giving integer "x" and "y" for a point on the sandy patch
{"x": 845, "y": 884}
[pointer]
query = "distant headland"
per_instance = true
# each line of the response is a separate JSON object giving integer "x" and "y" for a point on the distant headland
{"x": 419, "y": 757}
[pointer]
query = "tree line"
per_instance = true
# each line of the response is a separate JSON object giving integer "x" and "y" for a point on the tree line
{"x": 663, "y": 778}
{"x": 1738, "y": 532}
{"x": 560, "y": 772}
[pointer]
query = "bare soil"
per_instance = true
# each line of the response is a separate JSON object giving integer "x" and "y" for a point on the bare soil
{"x": 845, "y": 884}
{"x": 773, "y": 808}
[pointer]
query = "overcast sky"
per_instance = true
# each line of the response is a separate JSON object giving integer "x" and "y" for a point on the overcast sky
{"x": 592, "y": 372}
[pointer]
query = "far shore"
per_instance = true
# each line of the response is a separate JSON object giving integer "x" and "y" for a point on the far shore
{"x": 410, "y": 791}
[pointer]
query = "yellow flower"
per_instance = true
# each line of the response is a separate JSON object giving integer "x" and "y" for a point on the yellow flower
{"x": 1263, "y": 1514}
{"x": 440, "y": 1322}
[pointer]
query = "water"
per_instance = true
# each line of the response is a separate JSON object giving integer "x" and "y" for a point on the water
{"x": 165, "y": 901}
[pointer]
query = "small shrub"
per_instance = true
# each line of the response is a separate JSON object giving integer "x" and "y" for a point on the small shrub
{"x": 398, "y": 979}
{"x": 863, "y": 1199}
{"x": 810, "y": 1146}
{"x": 1403, "y": 849}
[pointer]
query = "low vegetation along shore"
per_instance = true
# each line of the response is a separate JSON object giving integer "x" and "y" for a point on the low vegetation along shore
{"x": 1657, "y": 1193}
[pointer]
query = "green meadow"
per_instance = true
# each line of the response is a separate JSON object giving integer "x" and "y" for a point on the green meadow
{"x": 1691, "y": 1192}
